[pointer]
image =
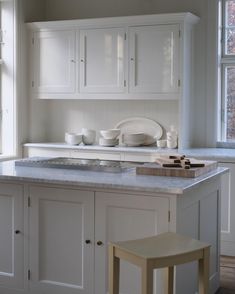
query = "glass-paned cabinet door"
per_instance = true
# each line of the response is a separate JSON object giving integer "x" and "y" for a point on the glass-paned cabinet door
{"x": 102, "y": 54}
{"x": 154, "y": 59}
{"x": 54, "y": 61}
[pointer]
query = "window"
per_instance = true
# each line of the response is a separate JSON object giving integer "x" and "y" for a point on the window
{"x": 7, "y": 78}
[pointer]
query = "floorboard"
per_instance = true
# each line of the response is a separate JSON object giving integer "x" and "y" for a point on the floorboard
{"x": 227, "y": 275}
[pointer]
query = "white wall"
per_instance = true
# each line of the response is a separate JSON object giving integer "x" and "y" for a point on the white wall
{"x": 60, "y": 116}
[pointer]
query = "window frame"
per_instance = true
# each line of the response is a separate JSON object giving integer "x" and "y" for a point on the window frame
{"x": 225, "y": 60}
{"x": 9, "y": 83}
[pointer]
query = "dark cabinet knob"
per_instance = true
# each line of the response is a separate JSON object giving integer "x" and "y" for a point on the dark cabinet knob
{"x": 88, "y": 241}
{"x": 17, "y": 232}
{"x": 99, "y": 243}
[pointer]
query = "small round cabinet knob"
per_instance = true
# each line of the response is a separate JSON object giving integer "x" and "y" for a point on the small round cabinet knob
{"x": 17, "y": 232}
{"x": 99, "y": 243}
{"x": 88, "y": 241}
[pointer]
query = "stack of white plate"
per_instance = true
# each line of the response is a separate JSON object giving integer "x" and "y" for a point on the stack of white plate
{"x": 134, "y": 139}
{"x": 109, "y": 137}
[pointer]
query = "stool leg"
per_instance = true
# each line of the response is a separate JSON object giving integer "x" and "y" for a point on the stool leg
{"x": 114, "y": 269}
{"x": 147, "y": 279}
{"x": 170, "y": 280}
{"x": 204, "y": 272}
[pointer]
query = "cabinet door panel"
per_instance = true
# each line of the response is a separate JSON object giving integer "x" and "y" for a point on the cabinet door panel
{"x": 60, "y": 222}
{"x": 227, "y": 211}
{"x": 124, "y": 217}
{"x": 11, "y": 245}
{"x": 102, "y": 60}
{"x": 54, "y": 62}
{"x": 154, "y": 58}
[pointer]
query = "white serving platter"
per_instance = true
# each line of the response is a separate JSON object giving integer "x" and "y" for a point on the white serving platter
{"x": 151, "y": 128}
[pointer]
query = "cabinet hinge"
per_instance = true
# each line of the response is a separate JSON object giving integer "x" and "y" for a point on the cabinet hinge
{"x": 178, "y": 83}
{"x": 179, "y": 33}
{"x": 125, "y": 36}
{"x": 29, "y": 275}
{"x": 32, "y": 84}
{"x": 124, "y": 83}
{"x": 169, "y": 216}
{"x": 29, "y": 202}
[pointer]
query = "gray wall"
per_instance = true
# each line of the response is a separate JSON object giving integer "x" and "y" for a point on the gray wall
{"x": 72, "y": 9}
{"x": 67, "y": 9}
{"x": 34, "y": 10}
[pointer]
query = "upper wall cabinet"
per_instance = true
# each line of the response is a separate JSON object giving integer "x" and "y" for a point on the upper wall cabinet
{"x": 138, "y": 57}
{"x": 154, "y": 58}
{"x": 102, "y": 57}
{"x": 54, "y": 68}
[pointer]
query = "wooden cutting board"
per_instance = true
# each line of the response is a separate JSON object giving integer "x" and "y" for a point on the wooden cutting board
{"x": 153, "y": 169}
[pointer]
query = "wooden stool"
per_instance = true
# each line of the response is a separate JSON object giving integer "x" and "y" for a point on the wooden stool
{"x": 164, "y": 250}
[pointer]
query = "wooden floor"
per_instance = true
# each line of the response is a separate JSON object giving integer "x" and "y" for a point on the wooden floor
{"x": 227, "y": 275}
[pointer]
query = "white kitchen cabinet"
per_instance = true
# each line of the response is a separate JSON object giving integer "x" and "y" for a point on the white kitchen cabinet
{"x": 227, "y": 211}
{"x": 122, "y": 217}
{"x": 68, "y": 229}
{"x": 154, "y": 59}
{"x": 54, "y": 62}
{"x": 61, "y": 223}
{"x": 102, "y": 60}
{"x": 12, "y": 236}
{"x": 138, "y": 57}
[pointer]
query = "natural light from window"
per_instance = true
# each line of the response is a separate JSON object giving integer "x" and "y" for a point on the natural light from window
{"x": 7, "y": 78}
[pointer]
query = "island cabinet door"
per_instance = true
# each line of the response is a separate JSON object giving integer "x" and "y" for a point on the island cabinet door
{"x": 61, "y": 238}
{"x": 122, "y": 217}
{"x": 12, "y": 236}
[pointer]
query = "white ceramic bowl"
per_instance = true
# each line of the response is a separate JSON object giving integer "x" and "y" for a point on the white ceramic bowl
{"x": 171, "y": 144}
{"x": 161, "y": 143}
{"x": 110, "y": 134}
{"x": 134, "y": 139}
{"x": 73, "y": 138}
{"x": 134, "y": 136}
{"x": 108, "y": 142}
{"x": 88, "y": 136}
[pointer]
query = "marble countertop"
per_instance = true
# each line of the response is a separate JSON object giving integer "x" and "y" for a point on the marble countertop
{"x": 100, "y": 180}
{"x": 218, "y": 154}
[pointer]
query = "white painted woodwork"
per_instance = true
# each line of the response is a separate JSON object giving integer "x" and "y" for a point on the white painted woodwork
{"x": 199, "y": 218}
{"x": 121, "y": 217}
{"x": 60, "y": 222}
{"x": 48, "y": 152}
{"x": 102, "y": 60}
{"x": 11, "y": 244}
{"x": 61, "y": 218}
{"x": 54, "y": 61}
{"x": 154, "y": 59}
{"x": 227, "y": 211}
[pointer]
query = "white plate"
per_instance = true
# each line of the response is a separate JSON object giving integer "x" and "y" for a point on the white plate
{"x": 152, "y": 129}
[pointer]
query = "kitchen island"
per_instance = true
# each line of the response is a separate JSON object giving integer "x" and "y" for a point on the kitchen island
{"x": 56, "y": 225}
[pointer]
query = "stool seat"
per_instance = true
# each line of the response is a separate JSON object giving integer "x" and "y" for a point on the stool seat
{"x": 161, "y": 246}
{"x": 164, "y": 250}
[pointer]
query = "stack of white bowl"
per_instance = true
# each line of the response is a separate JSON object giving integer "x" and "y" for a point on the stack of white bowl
{"x": 172, "y": 138}
{"x": 134, "y": 139}
{"x": 109, "y": 137}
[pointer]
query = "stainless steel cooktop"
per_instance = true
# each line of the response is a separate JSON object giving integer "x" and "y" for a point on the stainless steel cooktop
{"x": 78, "y": 163}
